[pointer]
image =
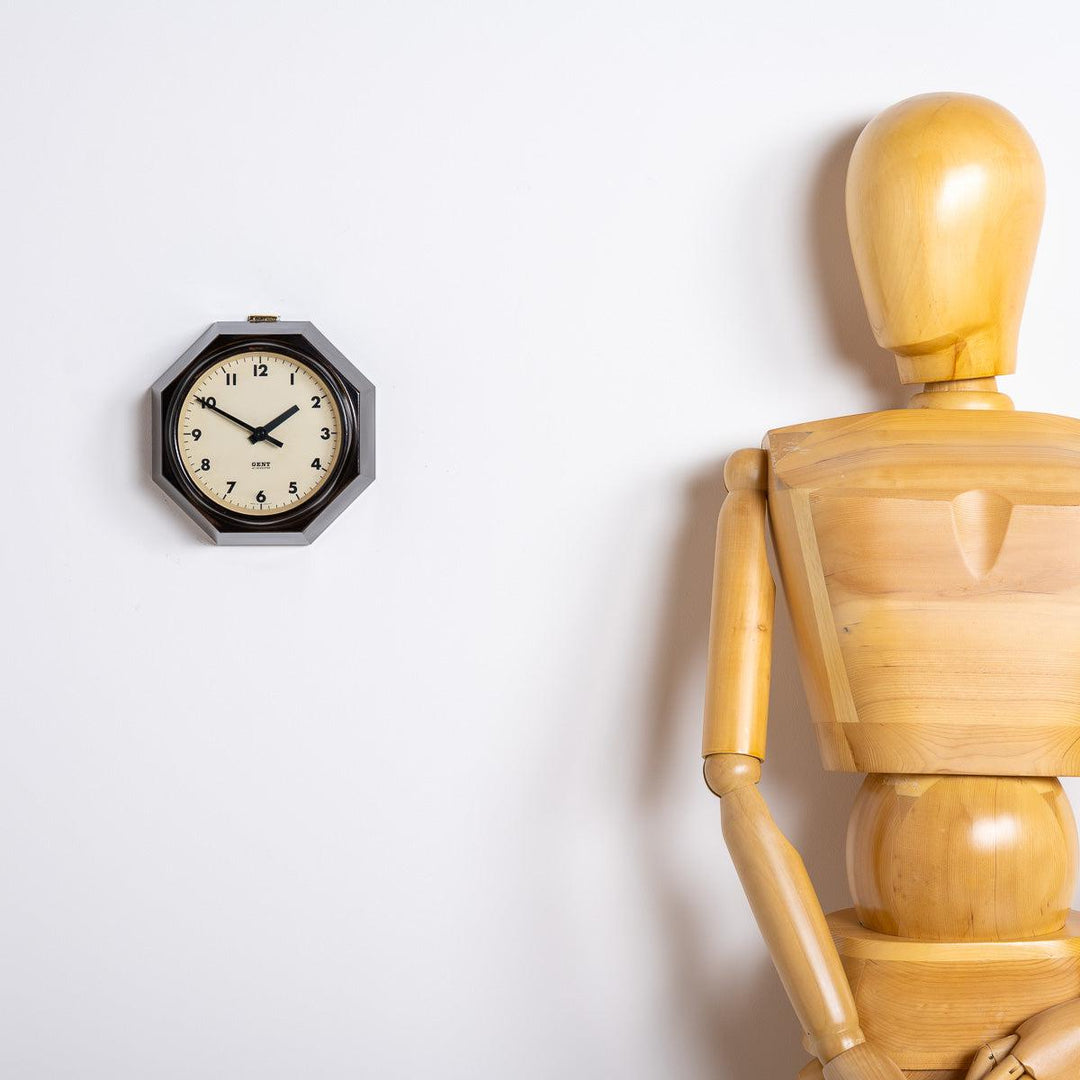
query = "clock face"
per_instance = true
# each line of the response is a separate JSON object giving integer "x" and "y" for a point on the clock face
{"x": 259, "y": 432}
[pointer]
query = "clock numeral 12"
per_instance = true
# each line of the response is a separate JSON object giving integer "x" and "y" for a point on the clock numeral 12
{"x": 258, "y": 369}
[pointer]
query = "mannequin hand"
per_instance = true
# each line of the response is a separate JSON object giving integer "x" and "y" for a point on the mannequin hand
{"x": 1046, "y": 1046}
{"x": 991, "y": 1057}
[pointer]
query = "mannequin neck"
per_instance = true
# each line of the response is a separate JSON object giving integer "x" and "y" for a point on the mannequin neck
{"x": 961, "y": 394}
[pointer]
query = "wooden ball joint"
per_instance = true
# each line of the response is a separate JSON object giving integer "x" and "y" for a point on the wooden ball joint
{"x": 930, "y": 558}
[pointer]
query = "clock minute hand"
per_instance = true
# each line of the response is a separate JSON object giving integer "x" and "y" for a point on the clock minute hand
{"x": 260, "y": 433}
{"x": 235, "y": 419}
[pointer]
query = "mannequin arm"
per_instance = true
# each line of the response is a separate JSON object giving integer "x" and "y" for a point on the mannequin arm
{"x": 772, "y": 874}
{"x": 740, "y": 630}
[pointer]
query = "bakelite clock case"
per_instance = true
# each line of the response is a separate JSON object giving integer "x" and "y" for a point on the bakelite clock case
{"x": 355, "y": 465}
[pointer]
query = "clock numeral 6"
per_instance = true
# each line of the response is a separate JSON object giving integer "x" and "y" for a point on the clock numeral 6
{"x": 260, "y": 497}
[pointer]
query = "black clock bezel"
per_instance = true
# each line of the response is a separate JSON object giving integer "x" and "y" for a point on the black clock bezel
{"x": 353, "y": 469}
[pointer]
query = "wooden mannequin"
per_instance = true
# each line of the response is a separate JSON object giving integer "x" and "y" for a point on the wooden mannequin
{"x": 931, "y": 561}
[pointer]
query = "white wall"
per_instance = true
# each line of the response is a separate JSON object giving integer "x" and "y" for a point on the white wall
{"x": 437, "y": 813}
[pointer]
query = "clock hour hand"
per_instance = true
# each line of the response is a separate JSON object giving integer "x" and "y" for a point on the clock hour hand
{"x": 204, "y": 402}
{"x": 260, "y": 433}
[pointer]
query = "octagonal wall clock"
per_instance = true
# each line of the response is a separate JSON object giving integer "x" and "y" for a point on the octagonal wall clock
{"x": 263, "y": 432}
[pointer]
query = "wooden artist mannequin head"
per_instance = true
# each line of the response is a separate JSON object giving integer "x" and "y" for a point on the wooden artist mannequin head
{"x": 930, "y": 558}
{"x": 944, "y": 204}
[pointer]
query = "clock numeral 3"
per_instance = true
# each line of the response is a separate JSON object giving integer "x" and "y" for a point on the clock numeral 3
{"x": 326, "y": 433}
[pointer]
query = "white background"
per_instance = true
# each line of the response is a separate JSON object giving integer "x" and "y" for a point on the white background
{"x": 423, "y": 800}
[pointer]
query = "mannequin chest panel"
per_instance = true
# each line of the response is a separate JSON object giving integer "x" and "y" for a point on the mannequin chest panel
{"x": 932, "y": 566}
{"x": 937, "y": 613}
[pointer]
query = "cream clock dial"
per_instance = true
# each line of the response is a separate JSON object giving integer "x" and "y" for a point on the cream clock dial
{"x": 259, "y": 432}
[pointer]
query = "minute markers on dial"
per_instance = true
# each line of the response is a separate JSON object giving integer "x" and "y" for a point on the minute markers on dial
{"x": 283, "y": 476}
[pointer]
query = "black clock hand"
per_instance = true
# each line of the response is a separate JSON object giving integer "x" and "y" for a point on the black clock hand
{"x": 258, "y": 434}
{"x": 235, "y": 419}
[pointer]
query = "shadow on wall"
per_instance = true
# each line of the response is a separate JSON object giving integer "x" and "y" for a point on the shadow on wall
{"x": 832, "y": 274}
{"x": 740, "y": 1019}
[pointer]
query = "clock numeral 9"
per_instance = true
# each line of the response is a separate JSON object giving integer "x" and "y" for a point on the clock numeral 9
{"x": 260, "y": 497}
{"x": 292, "y": 487}
{"x": 258, "y": 369}
{"x": 196, "y": 434}
{"x": 325, "y": 433}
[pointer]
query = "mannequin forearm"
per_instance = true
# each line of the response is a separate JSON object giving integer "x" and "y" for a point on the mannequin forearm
{"x": 786, "y": 908}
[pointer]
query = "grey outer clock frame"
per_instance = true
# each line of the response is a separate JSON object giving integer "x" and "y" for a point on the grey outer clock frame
{"x": 362, "y": 451}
